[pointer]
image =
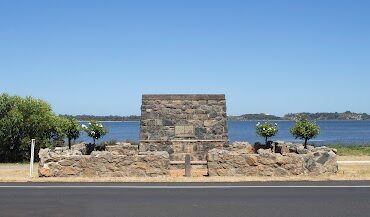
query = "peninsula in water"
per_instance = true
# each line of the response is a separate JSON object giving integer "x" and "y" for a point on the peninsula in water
{"x": 313, "y": 116}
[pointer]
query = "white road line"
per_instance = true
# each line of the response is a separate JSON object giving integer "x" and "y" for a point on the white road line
{"x": 183, "y": 187}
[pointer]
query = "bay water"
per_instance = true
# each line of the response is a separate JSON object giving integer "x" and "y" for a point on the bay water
{"x": 332, "y": 132}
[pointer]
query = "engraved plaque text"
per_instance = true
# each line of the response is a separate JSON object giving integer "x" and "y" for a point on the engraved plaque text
{"x": 184, "y": 131}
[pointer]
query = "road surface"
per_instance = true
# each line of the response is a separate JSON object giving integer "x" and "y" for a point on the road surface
{"x": 288, "y": 199}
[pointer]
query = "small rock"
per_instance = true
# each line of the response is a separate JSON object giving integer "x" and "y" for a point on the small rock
{"x": 302, "y": 150}
{"x": 258, "y": 146}
{"x": 65, "y": 163}
{"x": 45, "y": 172}
{"x": 241, "y": 147}
{"x": 310, "y": 147}
{"x": 282, "y": 149}
{"x": 123, "y": 149}
{"x": 252, "y": 160}
{"x": 264, "y": 151}
{"x": 81, "y": 147}
{"x": 294, "y": 147}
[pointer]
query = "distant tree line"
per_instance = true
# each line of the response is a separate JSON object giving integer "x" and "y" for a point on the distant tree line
{"x": 254, "y": 117}
{"x": 245, "y": 117}
{"x": 311, "y": 116}
{"x": 103, "y": 118}
{"x": 330, "y": 116}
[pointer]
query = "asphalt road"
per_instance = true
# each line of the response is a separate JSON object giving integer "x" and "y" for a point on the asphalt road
{"x": 288, "y": 199}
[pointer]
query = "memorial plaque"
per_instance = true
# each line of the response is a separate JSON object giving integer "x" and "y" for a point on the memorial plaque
{"x": 184, "y": 131}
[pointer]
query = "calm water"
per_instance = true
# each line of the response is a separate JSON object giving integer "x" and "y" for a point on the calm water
{"x": 342, "y": 132}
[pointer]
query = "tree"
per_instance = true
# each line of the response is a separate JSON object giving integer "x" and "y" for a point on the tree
{"x": 23, "y": 119}
{"x": 305, "y": 129}
{"x": 95, "y": 130}
{"x": 266, "y": 130}
{"x": 70, "y": 128}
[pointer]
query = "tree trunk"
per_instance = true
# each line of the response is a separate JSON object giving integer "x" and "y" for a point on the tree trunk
{"x": 69, "y": 143}
{"x": 94, "y": 140}
{"x": 266, "y": 140}
{"x": 305, "y": 143}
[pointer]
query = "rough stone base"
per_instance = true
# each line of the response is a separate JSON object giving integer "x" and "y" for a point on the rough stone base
{"x": 237, "y": 159}
{"x": 178, "y": 149}
{"x": 182, "y": 167}
{"x": 265, "y": 163}
{"x": 63, "y": 162}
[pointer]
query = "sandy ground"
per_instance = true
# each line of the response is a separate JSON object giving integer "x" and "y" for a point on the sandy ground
{"x": 353, "y": 158}
{"x": 20, "y": 173}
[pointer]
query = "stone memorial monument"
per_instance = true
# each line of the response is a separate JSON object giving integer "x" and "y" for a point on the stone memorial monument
{"x": 182, "y": 131}
{"x": 183, "y": 124}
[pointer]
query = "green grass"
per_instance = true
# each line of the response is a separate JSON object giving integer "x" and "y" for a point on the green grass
{"x": 352, "y": 150}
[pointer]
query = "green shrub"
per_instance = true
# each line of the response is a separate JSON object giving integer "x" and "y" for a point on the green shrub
{"x": 23, "y": 119}
{"x": 95, "y": 130}
{"x": 266, "y": 130}
{"x": 305, "y": 129}
{"x": 69, "y": 128}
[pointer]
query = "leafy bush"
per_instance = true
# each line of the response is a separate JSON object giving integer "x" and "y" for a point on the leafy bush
{"x": 305, "y": 129}
{"x": 23, "y": 119}
{"x": 95, "y": 130}
{"x": 70, "y": 128}
{"x": 266, "y": 130}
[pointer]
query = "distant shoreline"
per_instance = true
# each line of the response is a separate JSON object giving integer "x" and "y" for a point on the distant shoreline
{"x": 109, "y": 121}
{"x": 284, "y": 120}
{"x": 320, "y": 116}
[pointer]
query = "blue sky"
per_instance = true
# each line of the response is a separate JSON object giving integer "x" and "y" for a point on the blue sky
{"x": 276, "y": 57}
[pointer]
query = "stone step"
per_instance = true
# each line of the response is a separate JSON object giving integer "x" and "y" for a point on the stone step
{"x": 191, "y": 162}
{"x": 194, "y": 165}
{"x": 181, "y": 156}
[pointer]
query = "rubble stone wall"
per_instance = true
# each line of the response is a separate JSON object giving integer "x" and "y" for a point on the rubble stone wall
{"x": 265, "y": 163}
{"x": 119, "y": 161}
{"x": 237, "y": 159}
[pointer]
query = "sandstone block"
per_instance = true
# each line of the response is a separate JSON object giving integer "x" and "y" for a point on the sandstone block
{"x": 123, "y": 149}
{"x": 282, "y": 149}
{"x": 241, "y": 147}
{"x": 79, "y": 147}
{"x": 265, "y": 163}
{"x": 252, "y": 160}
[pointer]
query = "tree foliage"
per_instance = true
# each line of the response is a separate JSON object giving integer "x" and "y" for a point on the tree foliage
{"x": 95, "y": 130}
{"x": 266, "y": 130}
{"x": 305, "y": 129}
{"x": 69, "y": 128}
{"x": 23, "y": 119}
